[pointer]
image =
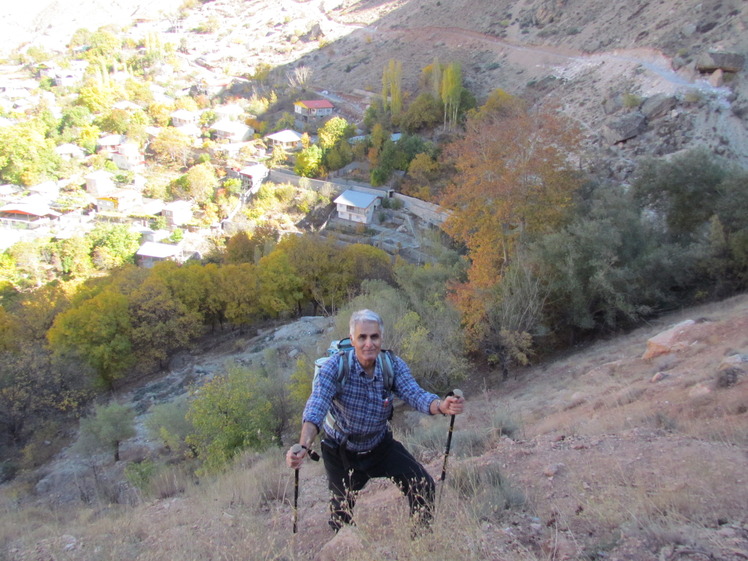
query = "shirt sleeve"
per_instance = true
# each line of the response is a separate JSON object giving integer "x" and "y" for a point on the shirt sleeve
{"x": 323, "y": 391}
{"x": 407, "y": 389}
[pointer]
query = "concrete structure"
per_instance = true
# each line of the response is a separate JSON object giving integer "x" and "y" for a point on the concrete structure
{"x": 357, "y": 206}
{"x": 128, "y": 156}
{"x": 229, "y": 112}
{"x": 70, "y": 151}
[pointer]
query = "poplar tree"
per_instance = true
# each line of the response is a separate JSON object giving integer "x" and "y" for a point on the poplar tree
{"x": 451, "y": 91}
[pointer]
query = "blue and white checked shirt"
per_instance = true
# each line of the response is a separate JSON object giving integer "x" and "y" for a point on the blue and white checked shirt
{"x": 363, "y": 406}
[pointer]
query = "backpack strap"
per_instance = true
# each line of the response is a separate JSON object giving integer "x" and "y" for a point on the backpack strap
{"x": 388, "y": 370}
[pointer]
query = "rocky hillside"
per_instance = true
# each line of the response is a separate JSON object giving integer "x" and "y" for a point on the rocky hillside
{"x": 632, "y": 449}
{"x": 640, "y": 77}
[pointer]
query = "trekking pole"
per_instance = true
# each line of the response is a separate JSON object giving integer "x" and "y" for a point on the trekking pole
{"x": 456, "y": 393}
{"x": 296, "y": 448}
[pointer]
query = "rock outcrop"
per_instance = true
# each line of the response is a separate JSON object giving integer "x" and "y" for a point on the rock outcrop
{"x": 626, "y": 127}
{"x": 716, "y": 60}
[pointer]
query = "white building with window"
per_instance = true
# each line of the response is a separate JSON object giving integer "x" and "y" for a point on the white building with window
{"x": 357, "y": 206}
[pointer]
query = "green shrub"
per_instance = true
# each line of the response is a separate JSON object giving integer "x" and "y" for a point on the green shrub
{"x": 167, "y": 422}
{"x": 140, "y": 474}
{"x": 230, "y": 413}
{"x": 631, "y": 101}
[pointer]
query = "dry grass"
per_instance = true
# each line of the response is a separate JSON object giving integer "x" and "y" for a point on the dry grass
{"x": 588, "y": 457}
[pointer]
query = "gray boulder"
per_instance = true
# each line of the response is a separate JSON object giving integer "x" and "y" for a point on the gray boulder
{"x": 626, "y": 127}
{"x": 657, "y": 106}
{"x": 613, "y": 104}
{"x": 714, "y": 60}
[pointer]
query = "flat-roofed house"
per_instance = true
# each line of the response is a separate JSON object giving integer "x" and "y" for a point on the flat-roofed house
{"x": 151, "y": 253}
{"x": 182, "y": 117}
{"x": 233, "y": 131}
{"x": 128, "y": 156}
{"x": 99, "y": 182}
{"x": 27, "y": 215}
{"x": 252, "y": 177}
{"x": 229, "y": 112}
{"x": 119, "y": 200}
{"x": 357, "y": 206}
{"x": 285, "y": 139}
{"x": 177, "y": 213}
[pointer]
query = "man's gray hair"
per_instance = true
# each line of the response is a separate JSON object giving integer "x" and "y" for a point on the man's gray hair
{"x": 365, "y": 315}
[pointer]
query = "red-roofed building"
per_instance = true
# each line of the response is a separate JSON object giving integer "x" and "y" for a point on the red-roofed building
{"x": 313, "y": 109}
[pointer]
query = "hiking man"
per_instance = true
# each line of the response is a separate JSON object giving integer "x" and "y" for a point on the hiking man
{"x": 358, "y": 443}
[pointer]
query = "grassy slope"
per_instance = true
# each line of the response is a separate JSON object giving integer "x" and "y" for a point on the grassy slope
{"x": 602, "y": 461}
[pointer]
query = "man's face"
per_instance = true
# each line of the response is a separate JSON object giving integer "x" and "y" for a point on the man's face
{"x": 367, "y": 341}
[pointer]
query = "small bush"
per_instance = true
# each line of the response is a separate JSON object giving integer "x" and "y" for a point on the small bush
{"x": 631, "y": 101}
{"x": 505, "y": 424}
{"x": 140, "y": 474}
{"x": 484, "y": 489}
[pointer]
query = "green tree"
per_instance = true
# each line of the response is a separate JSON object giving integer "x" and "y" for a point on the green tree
{"x": 103, "y": 44}
{"x": 392, "y": 94}
{"x": 113, "y": 245}
{"x": 309, "y": 162}
{"x": 172, "y": 146}
{"x": 280, "y": 287}
{"x": 72, "y": 256}
{"x": 97, "y": 332}
{"x": 26, "y": 155}
{"x": 451, "y": 94}
{"x": 97, "y": 95}
{"x": 333, "y": 131}
{"x": 239, "y": 286}
{"x": 424, "y": 113}
{"x": 161, "y": 324}
{"x": 682, "y": 191}
{"x": 229, "y": 414}
{"x": 339, "y": 156}
{"x": 105, "y": 429}
{"x": 202, "y": 182}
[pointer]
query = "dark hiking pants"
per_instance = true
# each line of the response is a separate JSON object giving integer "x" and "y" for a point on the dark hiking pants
{"x": 348, "y": 472}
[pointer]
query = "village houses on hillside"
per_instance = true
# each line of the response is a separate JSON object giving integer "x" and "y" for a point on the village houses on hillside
{"x": 110, "y": 175}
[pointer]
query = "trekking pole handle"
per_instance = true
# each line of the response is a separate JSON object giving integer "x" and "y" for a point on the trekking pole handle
{"x": 297, "y": 448}
{"x": 456, "y": 393}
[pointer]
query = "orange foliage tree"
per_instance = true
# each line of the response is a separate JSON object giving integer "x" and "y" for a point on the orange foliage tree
{"x": 514, "y": 178}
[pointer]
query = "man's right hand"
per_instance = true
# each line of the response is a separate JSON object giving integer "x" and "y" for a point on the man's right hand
{"x": 295, "y": 456}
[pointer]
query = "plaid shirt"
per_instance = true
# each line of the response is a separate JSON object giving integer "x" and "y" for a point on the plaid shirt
{"x": 363, "y": 406}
